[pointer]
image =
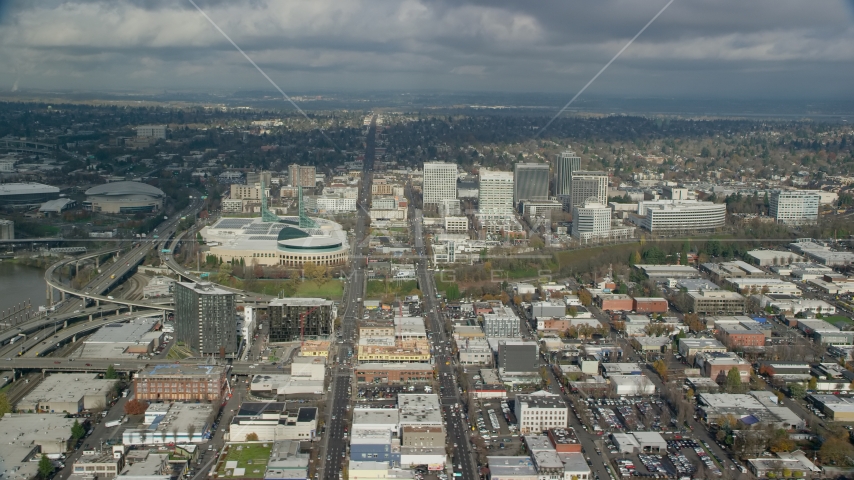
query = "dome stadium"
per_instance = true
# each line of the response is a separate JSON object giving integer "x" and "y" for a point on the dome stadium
{"x": 124, "y": 197}
{"x": 282, "y": 243}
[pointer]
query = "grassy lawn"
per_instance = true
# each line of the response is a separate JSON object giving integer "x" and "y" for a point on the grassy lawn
{"x": 378, "y": 288}
{"x": 839, "y": 321}
{"x": 332, "y": 289}
{"x": 251, "y": 456}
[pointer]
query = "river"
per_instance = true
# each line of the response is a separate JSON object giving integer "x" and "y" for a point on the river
{"x": 19, "y": 283}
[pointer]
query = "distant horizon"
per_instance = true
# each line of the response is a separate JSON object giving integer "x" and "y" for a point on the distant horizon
{"x": 468, "y": 102}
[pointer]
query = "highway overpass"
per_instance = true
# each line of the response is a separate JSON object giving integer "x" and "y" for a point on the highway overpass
{"x": 122, "y": 365}
{"x": 118, "y": 271}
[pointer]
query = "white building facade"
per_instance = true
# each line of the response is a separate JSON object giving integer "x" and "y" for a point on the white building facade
{"x": 794, "y": 207}
{"x": 495, "y": 195}
{"x": 440, "y": 182}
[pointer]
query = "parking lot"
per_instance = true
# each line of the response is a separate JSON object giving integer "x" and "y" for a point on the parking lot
{"x": 628, "y": 414}
{"x": 491, "y": 425}
{"x": 681, "y": 460}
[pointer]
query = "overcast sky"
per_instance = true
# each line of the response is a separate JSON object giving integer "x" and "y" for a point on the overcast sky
{"x": 798, "y": 49}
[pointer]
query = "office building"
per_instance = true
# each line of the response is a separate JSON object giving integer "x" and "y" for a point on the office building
{"x": 540, "y": 411}
{"x": 681, "y": 215}
{"x": 248, "y": 192}
{"x": 450, "y": 206}
{"x": 501, "y": 323}
{"x": 292, "y": 319}
{"x": 151, "y": 131}
{"x": 588, "y": 186}
{"x": 591, "y": 220}
{"x": 205, "y": 319}
{"x": 495, "y": 192}
{"x": 177, "y": 382}
{"x": 565, "y": 163}
{"x": 260, "y": 177}
{"x": 531, "y": 182}
{"x": 794, "y": 207}
{"x": 517, "y": 357}
{"x": 440, "y": 182}
{"x": 717, "y": 302}
{"x": 301, "y": 176}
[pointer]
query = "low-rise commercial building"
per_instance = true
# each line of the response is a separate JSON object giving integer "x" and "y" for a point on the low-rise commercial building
{"x": 394, "y": 373}
{"x": 98, "y": 465}
{"x": 68, "y": 392}
{"x": 23, "y": 444}
{"x": 717, "y": 365}
{"x": 738, "y": 336}
{"x": 374, "y": 445}
{"x": 615, "y": 302}
{"x": 795, "y": 462}
{"x": 511, "y": 468}
{"x": 649, "y": 305}
{"x": 661, "y": 272}
{"x": 517, "y": 357}
{"x": 475, "y": 351}
{"x": 773, "y": 286}
{"x": 540, "y": 411}
{"x": 837, "y": 408}
{"x": 175, "y": 422}
{"x": 717, "y": 302}
{"x": 754, "y": 407}
{"x": 631, "y": 385}
{"x": 767, "y": 258}
{"x": 689, "y": 347}
{"x": 274, "y": 421}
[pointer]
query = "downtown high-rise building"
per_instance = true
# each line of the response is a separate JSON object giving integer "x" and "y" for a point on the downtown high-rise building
{"x": 495, "y": 192}
{"x": 440, "y": 182}
{"x": 566, "y": 162}
{"x": 205, "y": 318}
{"x": 531, "y": 182}
{"x": 588, "y": 185}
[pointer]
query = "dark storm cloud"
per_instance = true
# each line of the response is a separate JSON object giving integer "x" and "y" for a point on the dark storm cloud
{"x": 697, "y": 47}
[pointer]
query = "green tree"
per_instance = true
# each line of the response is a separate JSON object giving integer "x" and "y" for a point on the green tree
{"x": 452, "y": 292}
{"x": 536, "y": 242}
{"x": 813, "y": 383}
{"x": 573, "y": 311}
{"x": 45, "y": 467}
{"x": 77, "y": 431}
{"x": 797, "y": 390}
{"x": 111, "y": 374}
{"x": 733, "y": 380}
{"x": 5, "y": 406}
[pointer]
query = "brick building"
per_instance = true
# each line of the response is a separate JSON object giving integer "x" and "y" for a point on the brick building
{"x": 737, "y": 335}
{"x": 394, "y": 372}
{"x": 650, "y": 305}
{"x": 716, "y": 365}
{"x": 175, "y": 382}
{"x": 615, "y": 301}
